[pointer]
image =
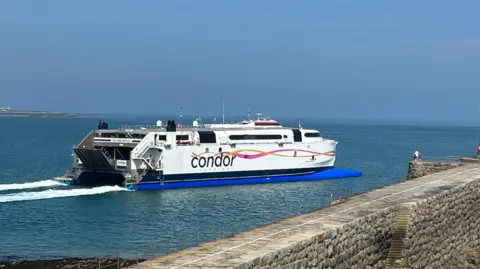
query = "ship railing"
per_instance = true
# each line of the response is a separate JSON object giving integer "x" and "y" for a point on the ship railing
{"x": 149, "y": 165}
{"x": 180, "y": 126}
{"x": 144, "y": 148}
{"x": 87, "y": 140}
{"x": 116, "y": 140}
{"x": 109, "y": 157}
{"x": 136, "y": 127}
{"x": 197, "y": 126}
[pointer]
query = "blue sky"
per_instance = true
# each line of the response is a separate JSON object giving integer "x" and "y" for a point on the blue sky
{"x": 353, "y": 59}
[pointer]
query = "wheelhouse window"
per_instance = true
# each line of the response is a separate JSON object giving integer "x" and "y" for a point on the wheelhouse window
{"x": 256, "y": 137}
{"x": 182, "y": 137}
{"x": 207, "y": 137}
{"x": 312, "y": 134}
{"x": 162, "y": 137}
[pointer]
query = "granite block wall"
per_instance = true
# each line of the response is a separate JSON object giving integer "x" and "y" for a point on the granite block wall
{"x": 423, "y": 168}
{"x": 439, "y": 225}
{"x": 443, "y": 224}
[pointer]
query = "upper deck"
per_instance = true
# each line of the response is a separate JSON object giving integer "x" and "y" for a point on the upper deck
{"x": 267, "y": 129}
{"x": 145, "y": 129}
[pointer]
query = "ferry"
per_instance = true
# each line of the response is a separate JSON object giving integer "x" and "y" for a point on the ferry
{"x": 175, "y": 156}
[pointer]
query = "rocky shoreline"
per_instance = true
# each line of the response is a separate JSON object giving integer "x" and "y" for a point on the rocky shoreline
{"x": 68, "y": 263}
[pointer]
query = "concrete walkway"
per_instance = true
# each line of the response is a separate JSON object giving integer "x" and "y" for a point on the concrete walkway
{"x": 252, "y": 244}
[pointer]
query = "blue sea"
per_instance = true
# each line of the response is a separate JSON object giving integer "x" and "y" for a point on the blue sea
{"x": 42, "y": 220}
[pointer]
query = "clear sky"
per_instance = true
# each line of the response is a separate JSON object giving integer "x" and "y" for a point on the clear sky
{"x": 367, "y": 59}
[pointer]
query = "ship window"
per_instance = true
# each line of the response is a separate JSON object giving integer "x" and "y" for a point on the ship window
{"x": 207, "y": 137}
{"x": 297, "y": 135}
{"x": 138, "y": 135}
{"x": 285, "y": 136}
{"x": 315, "y": 134}
{"x": 182, "y": 137}
{"x": 255, "y": 137}
{"x": 162, "y": 137}
{"x": 219, "y": 150}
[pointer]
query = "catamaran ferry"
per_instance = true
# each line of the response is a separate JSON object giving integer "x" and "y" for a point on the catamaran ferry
{"x": 176, "y": 156}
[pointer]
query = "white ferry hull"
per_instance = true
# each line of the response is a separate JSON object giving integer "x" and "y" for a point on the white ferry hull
{"x": 239, "y": 166}
{"x": 217, "y": 162}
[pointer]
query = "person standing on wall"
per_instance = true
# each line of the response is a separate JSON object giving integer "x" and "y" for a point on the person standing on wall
{"x": 416, "y": 155}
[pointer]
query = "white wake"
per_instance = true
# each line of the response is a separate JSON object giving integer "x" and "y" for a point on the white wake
{"x": 49, "y": 194}
{"x": 30, "y": 185}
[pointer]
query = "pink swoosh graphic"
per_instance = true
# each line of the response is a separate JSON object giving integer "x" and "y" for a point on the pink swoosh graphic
{"x": 258, "y": 155}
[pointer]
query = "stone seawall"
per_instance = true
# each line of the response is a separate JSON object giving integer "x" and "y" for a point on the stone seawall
{"x": 422, "y": 168}
{"x": 440, "y": 224}
{"x": 443, "y": 224}
{"x": 443, "y": 217}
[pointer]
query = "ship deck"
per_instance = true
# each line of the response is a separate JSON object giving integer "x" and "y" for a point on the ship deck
{"x": 148, "y": 129}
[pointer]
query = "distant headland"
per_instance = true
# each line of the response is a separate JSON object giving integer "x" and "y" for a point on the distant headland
{"x": 8, "y": 112}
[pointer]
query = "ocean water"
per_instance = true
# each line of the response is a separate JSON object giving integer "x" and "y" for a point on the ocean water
{"x": 39, "y": 218}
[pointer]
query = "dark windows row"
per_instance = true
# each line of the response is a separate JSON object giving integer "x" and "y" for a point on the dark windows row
{"x": 255, "y": 137}
{"x": 121, "y": 135}
{"x": 178, "y": 137}
{"x": 210, "y": 137}
{"x": 313, "y": 134}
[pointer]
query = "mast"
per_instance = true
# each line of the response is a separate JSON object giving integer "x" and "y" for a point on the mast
{"x": 223, "y": 112}
{"x": 181, "y": 114}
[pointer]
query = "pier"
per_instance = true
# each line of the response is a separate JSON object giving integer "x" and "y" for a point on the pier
{"x": 418, "y": 223}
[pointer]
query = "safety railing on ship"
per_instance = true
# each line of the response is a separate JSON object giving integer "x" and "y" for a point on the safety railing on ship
{"x": 136, "y": 127}
{"x": 181, "y": 126}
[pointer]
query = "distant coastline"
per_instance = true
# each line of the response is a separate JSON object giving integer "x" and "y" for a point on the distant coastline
{"x": 36, "y": 114}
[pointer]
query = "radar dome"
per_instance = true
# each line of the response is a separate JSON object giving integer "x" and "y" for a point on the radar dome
{"x": 195, "y": 124}
{"x": 159, "y": 123}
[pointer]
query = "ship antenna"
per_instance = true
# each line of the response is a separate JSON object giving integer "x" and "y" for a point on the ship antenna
{"x": 248, "y": 115}
{"x": 181, "y": 114}
{"x": 223, "y": 112}
{"x": 299, "y": 124}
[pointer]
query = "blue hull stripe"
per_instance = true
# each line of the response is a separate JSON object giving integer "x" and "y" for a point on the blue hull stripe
{"x": 234, "y": 174}
{"x": 327, "y": 174}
